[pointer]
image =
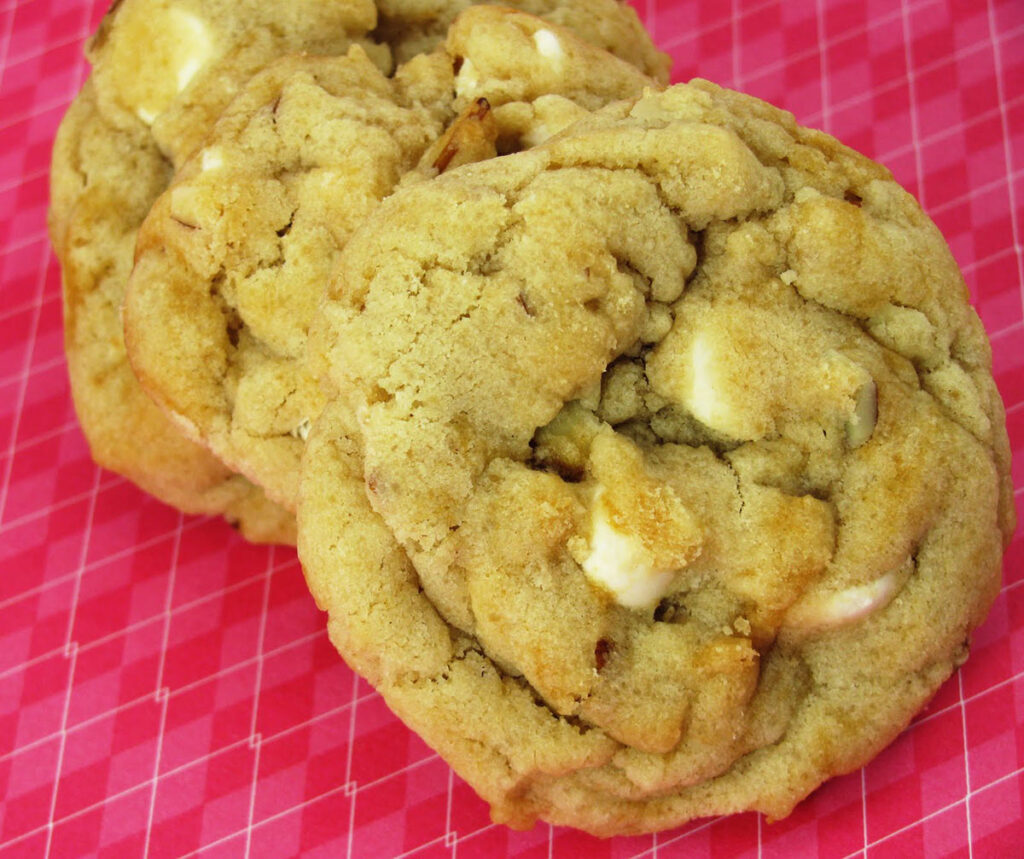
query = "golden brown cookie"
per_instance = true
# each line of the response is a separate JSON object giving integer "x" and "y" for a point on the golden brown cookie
{"x": 667, "y": 476}
{"x": 103, "y": 181}
{"x": 414, "y": 27}
{"x": 162, "y": 71}
{"x": 234, "y": 257}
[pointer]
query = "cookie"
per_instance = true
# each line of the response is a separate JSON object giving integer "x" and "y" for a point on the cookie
{"x": 234, "y": 257}
{"x": 414, "y": 27}
{"x": 666, "y": 475}
{"x": 103, "y": 181}
{"x": 162, "y": 72}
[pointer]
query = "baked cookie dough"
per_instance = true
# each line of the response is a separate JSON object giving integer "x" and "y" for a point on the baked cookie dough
{"x": 233, "y": 259}
{"x": 414, "y": 27}
{"x": 163, "y": 70}
{"x": 666, "y": 476}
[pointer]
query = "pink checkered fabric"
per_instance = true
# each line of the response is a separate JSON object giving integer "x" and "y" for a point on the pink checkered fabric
{"x": 166, "y": 688}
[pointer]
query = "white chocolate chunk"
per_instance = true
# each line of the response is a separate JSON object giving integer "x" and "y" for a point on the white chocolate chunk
{"x": 536, "y": 135}
{"x": 467, "y": 82}
{"x": 831, "y": 610}
{"x": 743, "y": 371}
{"x": 861, "y": 423}
{"x": 548, "y": 46}
{"x": 301, "y": 431}
{"x": 710, "y": 396}
{"x": 182, "y": 45}
{"x": 788, "y": 277}
{"x": 197, "y": 45}
{"x": 620, "y": 563}
{"x": 187, "y": 205}
{"x": 212, "y": 158}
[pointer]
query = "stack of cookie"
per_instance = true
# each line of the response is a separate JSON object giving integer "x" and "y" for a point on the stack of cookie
{"x": 644, "y": 445}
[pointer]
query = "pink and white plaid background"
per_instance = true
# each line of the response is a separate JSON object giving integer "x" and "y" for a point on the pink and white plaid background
{"x": 166, "y": 689}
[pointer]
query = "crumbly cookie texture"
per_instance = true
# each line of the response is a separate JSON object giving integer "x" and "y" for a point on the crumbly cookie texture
{"x": 103, "y": 181}
{"x": 414, "y": 27}
{"x": 234, "y": 258}
{"x": 162, "y": 72}
{"x": 666, "y": 476}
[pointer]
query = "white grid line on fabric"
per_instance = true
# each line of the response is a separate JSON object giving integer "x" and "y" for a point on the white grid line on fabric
{"x": 672, "y": 42}
{"x": 997, "y": 59}
{"x": 22, "y": 179}
{"x": 170, "y": 694}
{"x": 834, "y": 42}
{"x": 162, "y": 694}
{"x": 39, "y": 109}
{"x": 62, "y": 745}
{"x": 35, "y": 369}
{"x": 34, "y": 54}
{"x": 80, "y": 36}
{"x": 734, "y": 31}
{"x": 109, "y": 481}
{"x": 256, "y": 744}
{"x": 669, "y": 44}
{"x": 38, "y": 237}
{"x": 480, "y": 831}
{"x": 450, "y": 835}
{"x": 462, "y": 839}
{"x": 433, "y": 842}
{"x": 5, "y": 44}
{"x": 911, "y": 80}
{"x": 76, "y": 579}
{"x": 14, "y": 4}
{"x": 261, "y": 635}
{"x": 954, "y": 58}
{"x": 409, "y": 768}
{"x": 967, "y": 759}
{"x": 98, "y": 562}
{"x": 255, "y": 736}
{"x": 975, "y": 192}
{"x": 24, "y": 666}
{"x": 997, "y": 255}
{"x": 1002, "y": 332}
{"x": 933, "y": 814}
{"x": 952, "y": 130}
{"x": 137, "y": 788}
{"x": 84, "y": 31}
{"x": 19, "y": 402}
{"x": 347, "y": 788}
{"x": 37, "y": 315}
{"x": 826, "y": 88}
{"x": 68, "y": 428}
{"x": 138, "y": 625}
{"x": 165, "y": 702}
{"x": 351, "y": 824}
{"x": 677, "y": 839}
{"x": 895, "y": 83}
{"x": 349, "y": 760}
{"x": 864, "y": 809}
